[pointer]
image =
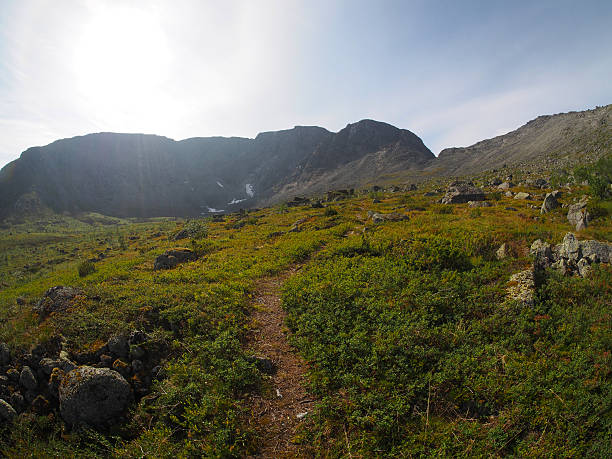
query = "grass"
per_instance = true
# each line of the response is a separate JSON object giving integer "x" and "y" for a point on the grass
{"x": 412, "y": 345}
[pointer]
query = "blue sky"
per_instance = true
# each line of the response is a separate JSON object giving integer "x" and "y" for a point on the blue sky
{"x": 453, "y": 72}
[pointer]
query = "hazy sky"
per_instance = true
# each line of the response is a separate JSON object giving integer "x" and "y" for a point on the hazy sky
{"x": 454, "y": 72}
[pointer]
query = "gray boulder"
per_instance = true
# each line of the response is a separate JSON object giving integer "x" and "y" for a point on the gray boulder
{"x": 93, "y": 396}
{"x": 598, "y": 252}
{"x": 550, "y": 202}
{"x": 462, "y": 193}
{"x": 505, "y": 186}
{"x": 391, "y": 217}
{"x": 27, "y": 378}
{"x": 522, "y": 195}
{"x": 578, "y": 215}
{"x": 173, "y": 257}
{"x": 542, "y": 253}
{"x": 7, "y": 412}
{"x": 569, "y": 248}
{"x": 119, "y": 345}
{"x": 56, "y": 299}
{"x": 479, "y": 204}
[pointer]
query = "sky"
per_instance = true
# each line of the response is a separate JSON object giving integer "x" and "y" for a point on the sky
{"x": 452, "y": 72}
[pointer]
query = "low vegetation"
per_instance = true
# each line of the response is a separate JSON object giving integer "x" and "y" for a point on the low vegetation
{"x": 413, "y": 346}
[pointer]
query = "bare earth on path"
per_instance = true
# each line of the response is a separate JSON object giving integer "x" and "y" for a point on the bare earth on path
{"x": 275, "y": 416}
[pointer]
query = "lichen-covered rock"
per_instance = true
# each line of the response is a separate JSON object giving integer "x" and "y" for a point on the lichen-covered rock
{"x": 479, "y": 204}
{"x": 502, "y": 252}
{"x": 505, "y": 186}
{"x": 522, "y": 287}
{"x": 550, "y": 202}
{"x": 542, "y": 254}
{"x": 578, "y": 215}
{"x": 462, "y": 193}
{"x": 391, "y": 217}
{"x": 173, "y": 257}
{"x": 7, "y": 412}
{"x": 55, "y": 379}
{"x": 522, "y": 195}
{"x": 47, "y": 365}
{"x": 57, "y": 299}
{"x": 93, "y": 396}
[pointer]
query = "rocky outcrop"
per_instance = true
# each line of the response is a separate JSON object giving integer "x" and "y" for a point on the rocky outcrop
{"x": 571, "y": 256}
{"x": 462, "y": 193}
{"x": 93, "y": 396}
{"x": 578, "y": 215}
{"x": 57, "y": 299}
{"x": 173, "y": 257}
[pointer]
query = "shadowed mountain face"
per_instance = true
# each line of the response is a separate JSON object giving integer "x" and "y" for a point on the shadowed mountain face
{"x": 147, "y": 175}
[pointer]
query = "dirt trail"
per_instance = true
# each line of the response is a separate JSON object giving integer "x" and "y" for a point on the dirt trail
{"x": 276, "y": 414}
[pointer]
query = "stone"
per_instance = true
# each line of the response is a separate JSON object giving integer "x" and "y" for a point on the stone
{"x": 137, "y": 337}
{"x": 562, "y": 266}
{"x": 502, "y": 252}
{"x": 550, "y": 202}
{"x": 7, "y": 412}
{"x": 461, "y": 193}
{"x": 578, "y": 215}
{"x": 584, "y": 267}
{"x": 118, "y": 344}
{"x": 106, "y": 360}
{"x": 27, "y": 378}
{"x": 17, "y": 401}
{"x": 174, "y": 257}
{"x": 522, "y": 195}
{"x": 93, "y": 396}
{"x": 505, "y": 186}
{"x": 600, "y": 252}
{"x": 55, "y": 379}
{"x": 57, "y": 299}
{"x": 391, "y": 217}
{"x": 137, "y": 366}
{"x": 122, "y": 367}
{"x": 47, "y": 365}
{"x": 479, "y": 204}
{"x": 570, "y": 248}
{"x": 5, "y": 354}
{"x": 522, "y": 287}
{"x": 317, "y": 205}
{"x": 508, "y": 194}
{"x": 13, "y": 375}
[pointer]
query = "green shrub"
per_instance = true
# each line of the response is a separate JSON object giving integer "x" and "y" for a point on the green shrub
{"x": 86, "y": 268}
{"x": 330, "y": 212}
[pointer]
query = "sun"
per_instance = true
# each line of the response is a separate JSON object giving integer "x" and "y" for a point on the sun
{"x": 121, "y": 60}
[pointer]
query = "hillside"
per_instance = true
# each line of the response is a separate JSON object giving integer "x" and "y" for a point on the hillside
{"x": 545, "y": 142}
{"x": 384, "y": 324}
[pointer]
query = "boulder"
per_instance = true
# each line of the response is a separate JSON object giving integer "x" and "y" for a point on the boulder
{"x": 522, "y": 195}
{"x": 522, "y": 287}
{"x": 479, "y": 204}
{"x": 598, "y": 252}
{"x": 119, "y": 345}
{"x": 502, "y": 252}
{"x": 505, "y": 186}
{"x": 56, "y": 299}
{"x": 27, "y": 378}
{"x": 461, "y": 193}
{"x": 93, "y": 396}
{"x": 173, "y": 257}
{"x": 7, "y": 412}
{"x": 569, "y": 248}
{"x": 542, "y": 254}
{"x": 392, "y": 217}
{"x": 578, "y": 215}
{"x": 550, "y": 202}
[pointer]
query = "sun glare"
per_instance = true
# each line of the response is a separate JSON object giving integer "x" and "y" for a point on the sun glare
{"x": 121, "y": 60}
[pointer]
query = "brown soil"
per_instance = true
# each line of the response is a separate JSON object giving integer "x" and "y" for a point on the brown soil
{"x": 274, "y": 415}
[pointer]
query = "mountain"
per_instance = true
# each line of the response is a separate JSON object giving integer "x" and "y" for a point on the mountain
{"x": 147, "y": 175}
{"x": 573, "y": 136}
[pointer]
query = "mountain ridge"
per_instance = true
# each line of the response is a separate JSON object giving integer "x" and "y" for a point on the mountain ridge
{"x": 125, "y": 174}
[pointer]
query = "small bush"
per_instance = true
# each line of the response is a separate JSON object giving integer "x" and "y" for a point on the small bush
{"x": 86, "y": 268}
{"x": 330, "y": 212}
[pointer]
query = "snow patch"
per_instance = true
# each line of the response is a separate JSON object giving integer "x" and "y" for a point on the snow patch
{"x": 214, "y": 211}
{"x": 250, "y": 191}
{"x": 235, "y": 201}
{"x": 220, "y": 184}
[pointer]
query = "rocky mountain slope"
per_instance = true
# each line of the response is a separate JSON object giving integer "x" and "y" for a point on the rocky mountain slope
{"x": 147, "y": 175}
{"x": 573, "y": 136}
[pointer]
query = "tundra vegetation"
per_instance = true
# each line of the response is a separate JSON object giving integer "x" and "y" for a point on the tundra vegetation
{"x": 412, "y": 343}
